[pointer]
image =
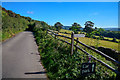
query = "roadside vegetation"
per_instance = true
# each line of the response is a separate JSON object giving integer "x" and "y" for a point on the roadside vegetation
{"x": 60, "y": 65}
{"x": 12, "y": 24}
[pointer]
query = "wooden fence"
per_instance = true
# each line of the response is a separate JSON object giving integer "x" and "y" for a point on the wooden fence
{"x": 54, "y": 34}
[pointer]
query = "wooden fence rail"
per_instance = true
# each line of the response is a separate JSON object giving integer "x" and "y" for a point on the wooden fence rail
{"x": 93, "y": 49}
{"x": 99, "y": 52}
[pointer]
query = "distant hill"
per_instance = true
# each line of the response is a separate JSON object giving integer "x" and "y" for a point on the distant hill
{"x": 111, "y": 29}
{"x": 66, "y": 27}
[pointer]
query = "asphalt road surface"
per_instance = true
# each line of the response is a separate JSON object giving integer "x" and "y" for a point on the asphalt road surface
{"x": 20, "y": 57}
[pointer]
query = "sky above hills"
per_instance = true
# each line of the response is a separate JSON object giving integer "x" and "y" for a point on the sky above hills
{"x": 103, "y": 14}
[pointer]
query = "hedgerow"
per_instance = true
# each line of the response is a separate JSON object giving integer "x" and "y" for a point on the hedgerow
{"x": 60, "y": 65}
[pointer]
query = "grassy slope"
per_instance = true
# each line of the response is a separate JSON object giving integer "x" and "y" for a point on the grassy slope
{"x": 93, "y": 42}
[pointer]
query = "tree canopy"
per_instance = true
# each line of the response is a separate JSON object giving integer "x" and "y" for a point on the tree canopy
{"x": 58, "y": 26}
{"x": 88, "y": 27}
{"x": 75, "y": 27}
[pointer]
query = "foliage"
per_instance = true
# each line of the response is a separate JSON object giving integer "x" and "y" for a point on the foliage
{"x": 11, "y": 24}
{"x": 60, "y": 65}
{"x": 75, "y": 27}
{"x": 88, "y": 28}
{"x": 53, "y": 28}
{"x": 58, "y": 26}
{"x": 110, "y": 34}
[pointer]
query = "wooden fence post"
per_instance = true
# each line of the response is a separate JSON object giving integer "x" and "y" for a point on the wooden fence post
{"x": 118, "y": 75}
{"x": 72, "y": 42}
{"x": 76, "y": 43}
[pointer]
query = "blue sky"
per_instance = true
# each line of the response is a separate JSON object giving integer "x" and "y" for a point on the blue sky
{"x": 103, "y": 14}
{"x": 59, "y": 0}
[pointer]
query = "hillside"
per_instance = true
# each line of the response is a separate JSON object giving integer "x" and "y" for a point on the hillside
{"x": 13, "y": 23}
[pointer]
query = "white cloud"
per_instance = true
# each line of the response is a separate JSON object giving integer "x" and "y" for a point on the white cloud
{"x": 30, "y": 12}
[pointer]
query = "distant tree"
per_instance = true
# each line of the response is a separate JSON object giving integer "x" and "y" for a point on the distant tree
{"x": 99, "y": 32}
{"x": 58, "y": 26}
{"x": 75, "y": 27}
{"x": 96, "y": 28}
{"x": 88, "y": 27}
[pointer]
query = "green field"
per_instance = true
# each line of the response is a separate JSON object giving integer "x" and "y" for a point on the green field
{"x": 109, "y": 38}
{"x": 94, "y": 42}
{"x": 63, "y": 30}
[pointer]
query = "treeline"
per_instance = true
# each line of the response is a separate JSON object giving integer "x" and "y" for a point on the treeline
{"x": 110, "y": 34}
{"x": 90, "y": 31}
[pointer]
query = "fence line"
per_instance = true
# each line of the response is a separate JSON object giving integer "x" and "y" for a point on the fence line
{"x": 95, "y": 50}
{"x": 99, "y": 52}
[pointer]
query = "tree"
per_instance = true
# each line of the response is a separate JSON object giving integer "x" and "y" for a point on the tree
{"x": 98, "y": 31}
{"x": 58, "y": 26}
{"x": 89, "y": 24}
{"x": 96, "y": 28}
{"x": 75, "y": 27}
{"x": 88, "y": 27}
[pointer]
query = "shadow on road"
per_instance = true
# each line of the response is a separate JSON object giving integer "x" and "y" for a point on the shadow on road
{"x": 35, "y": 73}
